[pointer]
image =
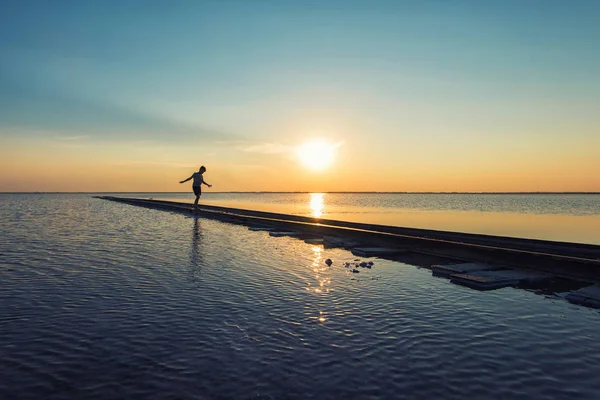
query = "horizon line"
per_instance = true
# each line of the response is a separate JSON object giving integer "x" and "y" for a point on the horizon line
{"x": 301, "y": 192}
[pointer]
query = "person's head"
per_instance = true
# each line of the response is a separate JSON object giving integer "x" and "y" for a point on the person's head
{"x": 202, "y": 169}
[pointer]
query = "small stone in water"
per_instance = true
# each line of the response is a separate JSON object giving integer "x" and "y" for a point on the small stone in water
{"x": 355, "y": 271}
{"x": 328, "y": 262}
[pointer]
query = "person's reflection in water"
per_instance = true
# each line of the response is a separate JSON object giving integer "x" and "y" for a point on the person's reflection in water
{"x": 195, "y": 251}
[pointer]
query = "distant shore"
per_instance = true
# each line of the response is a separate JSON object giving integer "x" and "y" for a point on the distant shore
{"x": 267, "y": 192}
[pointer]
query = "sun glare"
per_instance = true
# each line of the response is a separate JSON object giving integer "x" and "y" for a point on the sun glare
{"x": 317, "y": 155}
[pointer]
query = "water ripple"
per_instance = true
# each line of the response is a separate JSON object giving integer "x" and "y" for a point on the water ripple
{"x": 103, "y": 300}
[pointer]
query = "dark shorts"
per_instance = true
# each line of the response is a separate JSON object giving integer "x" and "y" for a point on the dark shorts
{"x": 197, "y": 190}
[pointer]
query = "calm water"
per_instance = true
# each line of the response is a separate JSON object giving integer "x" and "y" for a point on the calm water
{"x": 561, "y": 217}
{"x": 104, "y": 300}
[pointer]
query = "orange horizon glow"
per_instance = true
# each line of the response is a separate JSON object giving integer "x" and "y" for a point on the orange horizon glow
{"x": 357, "y": 168}
{"x": 98, "y": 178}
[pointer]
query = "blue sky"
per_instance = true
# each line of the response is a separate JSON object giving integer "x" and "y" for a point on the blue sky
{"x": 440, "y": 74}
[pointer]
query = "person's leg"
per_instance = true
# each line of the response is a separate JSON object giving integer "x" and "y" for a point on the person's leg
{"x": 197, "y": 192}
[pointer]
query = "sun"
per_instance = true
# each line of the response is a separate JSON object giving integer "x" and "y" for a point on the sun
{"x": 317, "y": 155}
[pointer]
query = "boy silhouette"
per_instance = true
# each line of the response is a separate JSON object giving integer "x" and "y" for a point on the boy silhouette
{"x": 197, "y": 184}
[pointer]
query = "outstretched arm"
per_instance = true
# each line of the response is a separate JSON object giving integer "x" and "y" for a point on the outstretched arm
{"x": 187, "y": 179}
{"x": 206, "y": 183}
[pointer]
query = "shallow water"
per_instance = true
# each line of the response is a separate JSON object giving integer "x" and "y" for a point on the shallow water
{"x": 559, "y": 217}
{"x": 105, "y": 300}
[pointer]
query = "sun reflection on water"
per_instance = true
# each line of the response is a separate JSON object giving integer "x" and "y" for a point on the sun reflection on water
{"x": 317, "y": 203}
{"x": 322, "y": 277}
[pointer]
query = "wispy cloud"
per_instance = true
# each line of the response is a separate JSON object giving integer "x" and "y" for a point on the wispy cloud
{"x": 68, "y": 145}
{"x": 268, "y": 148}
{"x": 58, "y": 107}
{"x": 71, "y": 137}
{"x": 154, "y": 163}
